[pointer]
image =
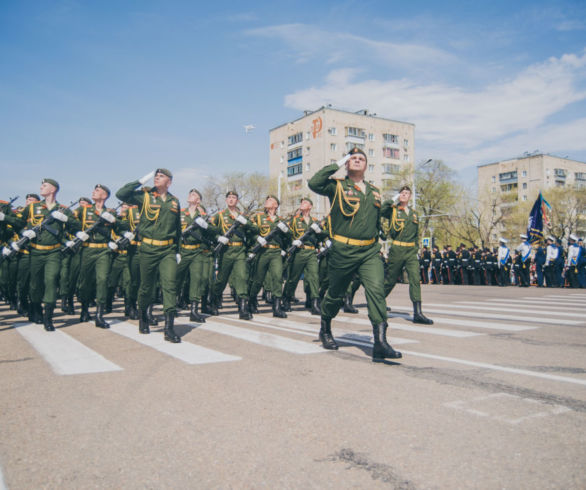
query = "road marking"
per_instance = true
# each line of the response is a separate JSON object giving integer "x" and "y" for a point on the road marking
{"x": 515, "y": 310}
{"x": 489, "y": 325}
{"x": 569, "y": 297}
{"x": 3, "y": 485}
{"x": 410, "y": 328}
{"x": 508, "y": 306}
{"x": 64, "y": 354}
{"x": 496, "y": 367}
{"x": 262, "y": 338}
{"x": 185, "y": 351}
{"x": 497, "y": 316}
{"x": 554, "y": 303}
{"x": 303, "y": 329}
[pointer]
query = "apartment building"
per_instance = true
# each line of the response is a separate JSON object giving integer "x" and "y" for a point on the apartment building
{"x": 298, "y": 149}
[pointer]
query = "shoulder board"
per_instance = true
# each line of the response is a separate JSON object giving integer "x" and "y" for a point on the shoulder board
{"x": 86, "y": 205}
{"x": 3, "y": 202}
{"x": 183, "y": 210}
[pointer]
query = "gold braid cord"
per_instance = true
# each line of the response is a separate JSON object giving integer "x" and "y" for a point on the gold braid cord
{"x": 31, "y": 215}
{"x": 340, "y": 197}
{"x": 149, "y": 212}
{"x": 131, "y": 221}
{"x": 264, "y": 230}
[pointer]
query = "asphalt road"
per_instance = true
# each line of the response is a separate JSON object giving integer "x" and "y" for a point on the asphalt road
{"x": 493, "y": 395}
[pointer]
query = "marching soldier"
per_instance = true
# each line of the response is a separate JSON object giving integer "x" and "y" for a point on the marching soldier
{"x": 540, "y": 257}
{"x": 160, "y": 231}
{"x": 524, "y": 250}
{"x": 404, "y": 232}
{"x": 551, "y": 255}
{"x": 425, "y": 262}
{"x": 573, "y": 261}
{"x": 504, "y": 263}
{"x": 304, "y": 261}
{"x": 24, "y": 264}
{"x": 436, "y": 272}
{"x": 355, "y": 225}
{"x": 45, "y": 257}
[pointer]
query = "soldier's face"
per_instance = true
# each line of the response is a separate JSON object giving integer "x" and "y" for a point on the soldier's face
{"x": 31, "y": 199}
{"x": 356, "y": 163}
{"x": 162, "y": 181}
{"x": 47, "y": 189}
{"x": 271, "y": 204}
{"x": 404, "y": 196}
{"x": 231, "y": 200}
{"x": 193, "y": 199}
{"x": 305, "y": 206}
{"x": 99, "y": 194}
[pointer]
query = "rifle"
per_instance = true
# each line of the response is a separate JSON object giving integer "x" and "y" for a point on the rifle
{"x": 239, "y": 221}
{"x": 28, "y": 235}
{"x": 73, "y": 246}
{"x": 261, "y": 241}
{"x": 313, "y": 229}
{"x": 323, "y": 251}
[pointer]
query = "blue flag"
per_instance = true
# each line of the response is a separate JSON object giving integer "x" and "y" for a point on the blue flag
{"x": 535, "y": 225}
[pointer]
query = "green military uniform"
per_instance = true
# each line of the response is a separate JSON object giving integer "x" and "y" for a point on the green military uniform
{"x": 129, "y": 221}
{"x": 268, "y": 261}
{"x": 195, "y": 260}
{"x": 404, "y": 232}
{"x": 354, "y": 229}
{"x": 232, "y": 261}
{"x": 45, "y": 257}
{"x": 96, "y": 261}
{"x": 303, "y": 262}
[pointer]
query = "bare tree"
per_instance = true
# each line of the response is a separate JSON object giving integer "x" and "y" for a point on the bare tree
{"x": 252, "y": 189}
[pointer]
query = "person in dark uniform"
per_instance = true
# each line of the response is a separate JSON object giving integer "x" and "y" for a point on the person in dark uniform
{"x": 540, "y": 257}
{"x": 436, "y": 271}
{"x": 424, "y": 263}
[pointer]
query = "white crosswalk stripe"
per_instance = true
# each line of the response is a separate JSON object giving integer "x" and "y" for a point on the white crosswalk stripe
{"x": 510, "y": 309}
{"x": 185, "y": 351}
{"x": 63, "y": 353}
{"x": 447, "y": 310}
{"x": 555, "y": 310}
{"x": 543, "y": 301}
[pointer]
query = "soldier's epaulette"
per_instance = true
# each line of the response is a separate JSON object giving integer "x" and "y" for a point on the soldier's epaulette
{"x": 62, "y": 206}
{"x": 85, "y": 205}
{"x": 374, "y": 187}
{"x": 3, "y": 202}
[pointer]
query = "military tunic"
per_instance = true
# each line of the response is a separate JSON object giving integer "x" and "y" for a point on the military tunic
{"x": 354, "y": 229}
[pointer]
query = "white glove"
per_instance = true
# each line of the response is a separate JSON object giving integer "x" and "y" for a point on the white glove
{"x": 283, "y": 226}
{"x": 251, "y": 256}
{"x": 69, "y": 243}
{"x": 113, "y": 245}
{"x": 297, "y": 243}
{"x": 343, "y": 161}
{"x": 328, "y": 243}
{"x": 58, "y": 215}
{"x": 2, "y": 216}
{"x": 108, "y": 217}
{"x": 315, "y": 227}
{"x": 30, "y": 234}
{"x": 128, "y": 235}
{"x": 147, "y": 177}
{"x": 82, "y": 235}
{"x": 241, "y": 219}
{"x": 5, "y": 251}
{"x": 15, "y": 246}
{"x": 178, "y": 258}
{"x": 223, "y": 240}
{"x": 283, "y": 253}
{"x": 396, "y": 199}
{"x": 202, "y": 223}
{"x": 322, "y": 249}
{"x": 261, "y": 240}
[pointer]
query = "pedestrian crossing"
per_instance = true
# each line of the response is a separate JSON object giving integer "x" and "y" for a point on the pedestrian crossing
{"x": 297, "y": 335}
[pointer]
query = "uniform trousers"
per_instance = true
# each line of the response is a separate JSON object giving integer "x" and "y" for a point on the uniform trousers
{"x": 269, "y": 261}
{"x": 93, "y": 274}
{"x": 45, "y": 266}
{"x": 304, "y": 262}
{"x": 157, "y": 260}
{"x": 403, "y": 257}
{"x": 233, "y": 259}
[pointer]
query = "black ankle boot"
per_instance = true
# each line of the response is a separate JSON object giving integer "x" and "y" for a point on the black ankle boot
{"x": 348, "y": 306}
{"x": 143, "y": 321}
{"x": 419, "y": 317}
{"x": 325, "y": 335}
{"x": 286, "y": 304}
{"x": 85, "y": 313}
{"x": 109, "y": 302}
{"x": 205, "y": 307}
{"x": 253, "y": 305}
{"x": 269, "y": 298}
{"x": 48, "y": 318}
{"x": 307, "y": 304}
{"x": 70, "y": 306}
{"x": 277, "y": 310}
{"x": 100, "y": 322}
{"x": 381, "y": 349}
{"x": 152, "y": 319}
{"x": 133, "y": 313}
{"x": 35, "y": 313}
{"x": 243, "y": 309}
{"x": 64, "y": 304}
{"x": 194, "y": 315}
{"x": 170, "y": 335}
{"x": 315, "y": 309}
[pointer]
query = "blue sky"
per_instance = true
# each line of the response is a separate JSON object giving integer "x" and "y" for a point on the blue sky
{"x": 106, "y": 91}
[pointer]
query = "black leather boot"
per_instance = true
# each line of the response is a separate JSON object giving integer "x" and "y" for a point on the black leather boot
{"x": 23, "y": 306}
{"x": 213, "y": 306}
{"x": 348, "y": 306}
{"x": 381, "y": 349}
{"x": 244, "y": 309}
{"x": 205, "y": 308}
{"x": 133, "y": 313}
{"x": 277, "y": 309}
{"x": 152, "y": 319}
{"x": 100, "y": 322}
{"x": 109, "y": 301}
{"x": 33, "y": 313}
{"x": 64, "y": 304}
{"x": 286, "y": 304}
{"x": 48, "y": 318}
{"x": 269, "y": 298}
{"x": 315, "y": 308}
{"x": 194, "y": 315}
{"x": 253, "y": 305}
{"x": 325, "y": 335}
{"x": 170, "y": 335}
{"x": 419, "y": 317}
{"x": 143, "y": 321}
{"x": 70, "y": 306}
{"x": 85, "y": 313}
{"x": 126, "y": 307}
{"x": 307, "y": 304}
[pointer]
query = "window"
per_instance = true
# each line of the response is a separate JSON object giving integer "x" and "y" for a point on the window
{"x": 333, "y": 161}
{"x": 391, "y": 168}
{"x": 524, "y": 173}
{"x": 370, "y": 136}
{"x": 307, "y": 149}
{"x": 371, "y": 168}
{"x": 391, "y": 153}
{"x": 524, "y": 185}
{"x": 391, "y": 138}
{"x": 494, "y": 179}
{"x": 508, "y": 187}
{"x": 332, "y": 131}
{"x": 524, "y": 198}
{"x": 508, "y": 175}
{"x": 580, "y": 175}
{"x": 294, "y": 169}
{"x": 282, "y": 144}
{"x": 294, "y": 154}
{"x": 282, "y": 159}
{"x": 405, "y": 157}
{"x": 559, "y": 172}
{"x": 296, "y": 138}
{"x": 307, "y": 135}
{"x": 357, "y": 132}
{"x": 370, "y": 152}
{"x": 333, "y": 146}
{"x": 349, "y": 146}
{"x": 405, "y": 143}
{"x": 307, "y": 167}
{"x": 493, "y": 190}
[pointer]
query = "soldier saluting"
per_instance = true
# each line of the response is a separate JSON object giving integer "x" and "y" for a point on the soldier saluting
{"x": 354, "y": 230}
{"x": 160, "y": 230}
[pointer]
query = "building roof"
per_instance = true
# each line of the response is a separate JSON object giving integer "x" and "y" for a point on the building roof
{"x": 362, "y": 112}
{"x": 529, "y": 156}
